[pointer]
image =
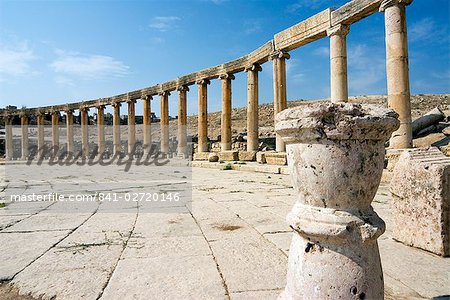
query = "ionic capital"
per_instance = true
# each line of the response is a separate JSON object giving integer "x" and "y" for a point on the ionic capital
{"x": 68, "y": 111}
{"x": 203, "y": 81}
{"x": 23, "y": 114}
{"x": 55, "y": 113}
{"x": 227, "y": 76}
{"x": 116, "y": 104}
{"x": 340, "y": 29}
{"x": 164, "y": 93}
{"x": 279, "y": 54}
{"x": 183, "y": 88}
{"x": 254, "y": 68}
{"x": 388, "y": 3}
{"x": 129, "y": 100}
{"x": 84, "y": 108}
{"x": 146, "y": 97}
{"x": 100, "y": 107}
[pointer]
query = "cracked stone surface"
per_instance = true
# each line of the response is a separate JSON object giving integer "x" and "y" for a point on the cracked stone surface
{"x": 232, "y": 242}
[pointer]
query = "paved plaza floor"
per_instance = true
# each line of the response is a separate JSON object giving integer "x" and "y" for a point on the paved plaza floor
{"x": 231, "y": 242}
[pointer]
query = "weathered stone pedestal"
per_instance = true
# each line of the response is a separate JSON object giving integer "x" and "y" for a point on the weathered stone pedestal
{"x": 335, "y": 155}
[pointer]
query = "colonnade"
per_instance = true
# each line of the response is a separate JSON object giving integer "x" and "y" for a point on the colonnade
{"x": 397, "y": 83}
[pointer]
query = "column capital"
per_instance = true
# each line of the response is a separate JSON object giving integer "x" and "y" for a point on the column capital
{"x": 55, "y": 112}
{"x": 388, "y": 3}
{"x": 279, "y": 54}
{"x": 100, "y": 106}
{"x": 129, "y": 100}
{"x": 253, "y": 67}
{"x": 182, "y": 88}
{"x": 146, "y": 97}
{"x": 116, "y": 104}
{"x": 23, "y": 114}
{"x": 39, "y": 113}
{"x": 203, "y": 81}
{"x": 68, "y": 111}
{"x": 227, "y": 76}
{"x": 340, "y": 29}
{"x": 84, "y": 108}
{"x": 164, "y": 93}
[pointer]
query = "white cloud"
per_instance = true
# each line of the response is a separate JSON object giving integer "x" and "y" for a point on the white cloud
{"x": 367, "y": 69}
{"x": 252, "y": 26}
{"x": 87, "y": 66}
{"x": 301, "y": 4}
{"x": 163, "y": 24}
{"x": 15, "y": 60}
{"x": 427, "y": 30}
{"x": 322, "y": 51}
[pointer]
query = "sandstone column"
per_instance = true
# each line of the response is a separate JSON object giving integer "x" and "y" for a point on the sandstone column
{"x": 9, "y": 148}
{"x": 336, "y": 168}
{"x": 24, "y": 126}
{"x": 252, "y": 107}
{"x": 397, "y": 71}
{"x": 182, "y": 120}
{"x": 101, "y": 130}
{"x": 69, "y": 129}
{"x": 84, "y": 131}
{"x": 203, "y": 115}
{"x": 338, "y": 62}
{"x": 116, "y": 129}
{"x": 131, "y": 125}
{"x": 147, "y": 123}
{"x": 225, "y": 139}
{"x": 40, "y": 133}
{"x": 279, "y": 88}
{"x": 164, "y": 122}
{"x": 55, "y": 131}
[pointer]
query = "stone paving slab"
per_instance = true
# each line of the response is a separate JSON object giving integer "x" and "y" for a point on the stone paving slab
{"x": 165, "y": 277}
{"x": 49, "y": 221}
{"x": 21, "y": 249}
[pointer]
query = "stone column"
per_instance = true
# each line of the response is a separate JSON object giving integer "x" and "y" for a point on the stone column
{"x": 203, "y": 115}
{"x": 182, "y": 120}
{"x": 40, "y": 133}
{"x": 397, "y": 71}
{"x": 24, "y": 119}
{"x": 336, "y": 168}
{"x": 147, "y": 123}
{"x": 164, "y": 122}
{"x": 101, "y": 130}
{"x": 116, "y": 129}
{"x": 338, "y": 62}
{"x": 9, "y": 148}
{"x": 131, "y": 125}
{"x": 252, "y": 107}
{"x": 55, "y": 130}
{"x": 84, "y": 131}
{"x": 69, "y": 129}
{"x": 225, "y": 133}
{"x": 279, "y": 88}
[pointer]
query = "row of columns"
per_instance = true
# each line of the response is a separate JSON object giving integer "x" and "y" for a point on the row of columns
{"x": 397, "y": 82}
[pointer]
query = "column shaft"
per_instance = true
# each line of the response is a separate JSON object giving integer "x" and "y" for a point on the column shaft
{"x": 69, "y": 129}
{"x": 40, "y": 134}
{"x": 147, "y": 121}
{"x": 116, "y": 129}
{"x": 9, "y": 138}
{"x": 252, "y": 108}
{"x": 280, "y": 96}
{"x": 131, "y": 126}
{"x": 84, "y": 132}
{"x": 165, "y": 122}
{"x": 55, "y": 131}
{"x": 24, "y": 126}
{"x": 182, "y": 120}
{"x": 203, "y": 115}
{"x": 101, "y": 129}
{"x": 225, "y": 140}
{"x": 397, "y": 70}
{"x": 338, "y": 63}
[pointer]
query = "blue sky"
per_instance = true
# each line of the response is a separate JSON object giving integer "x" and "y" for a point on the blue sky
{"x": 53, "y": 52}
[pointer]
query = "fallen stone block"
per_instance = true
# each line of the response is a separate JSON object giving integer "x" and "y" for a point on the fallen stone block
{"x": 276, "y": 158}
{"x": 228, "y": 155}
{"x": 201, "y": 155}
{"x": 247, "y": 155}
{"x": 261, "y": 157}
{"x": 420, "y": 188}
{"x": 213, "y": 157}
